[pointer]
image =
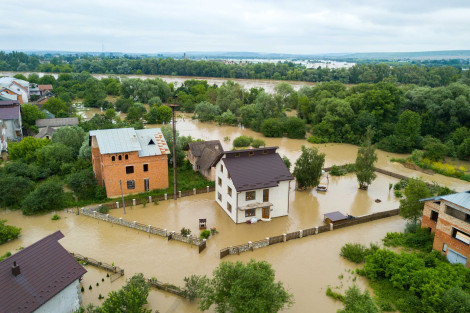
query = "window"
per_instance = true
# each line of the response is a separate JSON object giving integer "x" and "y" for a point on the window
{"x": 219, "y": 196}
{"x": 146, "y": 167}
{"x": 229, "y": 191}
{"x": 126, "y": 157}
{"x": 229, "y": 207}
{"x": 251, "y": 153}
{"x": 130, "y": 169}
{"x": 251, "y": 212}
{"x": 265, "y": 195}
{"x": 250, "y": 195}
{"x": 434, "y": 216}
{"x": 237, "y": 154}
{"x": 131, "y": 184}
{"x": 221, "y": 168}
{"x": 113, "y": 158}
{"x": 219, "y": 180}
{"x": 120, "y": 158}
{"x": 151, "y": 142}
{"x": 461, "y": 236}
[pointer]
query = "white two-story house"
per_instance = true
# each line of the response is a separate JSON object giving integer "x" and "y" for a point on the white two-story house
{"x": 252, "y": 183}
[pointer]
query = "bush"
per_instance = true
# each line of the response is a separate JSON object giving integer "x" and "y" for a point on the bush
{"x": 334, "y": 295}
{"x": 357, "y": 302}
{"x": 295, "y": 128}
{"x": 356, "y": 252}
{"x": 256, "y": 143}
{"x": 55, "y": 217}
{"x": 48, "y": 196}
{"x": 103, "y": 209}
{"x": 315, "y": 139}
{"x": 337, "y": 171}
{"x": 272, "y": 127}
{"x": 242, "y": 141}
{"x": 185, "y": 231}
{"x": 8, "y": 232}
{"x": 205, "y": 234}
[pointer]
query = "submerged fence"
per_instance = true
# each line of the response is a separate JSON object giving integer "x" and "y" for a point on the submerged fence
{"x": 192, "y": 240}
{"x": 250, "y": 246}
{"x": 116, "y": 270}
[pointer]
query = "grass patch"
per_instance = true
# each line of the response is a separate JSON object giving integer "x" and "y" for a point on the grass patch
{"x": 356, "y": 252}
{"x": 335, "y": 295}
{"x": 414, "y": 237}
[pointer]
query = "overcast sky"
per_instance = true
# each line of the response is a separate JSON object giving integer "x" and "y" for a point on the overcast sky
{"x": 301, "y": 27}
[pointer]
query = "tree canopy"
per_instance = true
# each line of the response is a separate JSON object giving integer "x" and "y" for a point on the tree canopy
{"x": 308, "y": 167}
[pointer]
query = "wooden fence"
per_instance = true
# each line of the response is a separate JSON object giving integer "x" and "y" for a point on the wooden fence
{"x": 116, "y": 270}
{"x": 304, "y": 233}
{"x": 166, "y": 287}
{"x": 192, "y": 240}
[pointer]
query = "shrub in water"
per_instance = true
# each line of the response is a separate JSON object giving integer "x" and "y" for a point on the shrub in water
{"x": 103, "y": 210}
{"x": 185, "y": 231}
{"x": 205, "y": 234}
{"x": 242, "y": 141}
{"x": 55, "y": 217}
{"x": 258, "y": 143}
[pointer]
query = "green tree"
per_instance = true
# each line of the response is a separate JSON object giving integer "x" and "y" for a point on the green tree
{"x": 407, "y": 130}
{"x": 238, "y": 288}
{"x": 14, "y": 189}
{"x": 227, "y": 118}
{"x": 52, "y": 158}
{"x": 26, "y": 149}
{"x": 286, "y": 161}
{"x": 29, "y": 114}
{"x": 295, "y": 127}
{"x": 134, "y": 114}
{"x": 164, "y": 114}
{"x": 83, "y": 184}
{"x": 366, "y": 157}
{"x": 358, "y": 302}
{"x": 8, "y": 232}
{"x": 410, "y": 207}
{"x": 70, "y": 136}
{"x": 463, "y": 151}
{"x": 167, "y": 131}
{"x": 56, "y": 106}
{"x": 242, "y": 141}
{"x": 129, "y": 299}
{"x": 152, "y": 115}
{"x": 206, "y": 111}
{"x": 273, "y": 127}
{"x": 308, "y": 167}
{"x": 47, "y": 196}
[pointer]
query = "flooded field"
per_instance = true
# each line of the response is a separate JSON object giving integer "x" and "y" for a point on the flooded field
{"x": 267, "y": 84}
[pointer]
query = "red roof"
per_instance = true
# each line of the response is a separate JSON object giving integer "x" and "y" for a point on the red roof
{"x": 46, "y": 268}
{"x": 45, "y": 87}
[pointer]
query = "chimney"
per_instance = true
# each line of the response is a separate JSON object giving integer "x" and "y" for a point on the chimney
{"x": 15, "y": 269}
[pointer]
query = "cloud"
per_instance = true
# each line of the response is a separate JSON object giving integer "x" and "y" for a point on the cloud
{"x": 305, "y": 27}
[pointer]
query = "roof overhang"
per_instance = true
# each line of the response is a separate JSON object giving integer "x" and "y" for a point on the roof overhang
{"x": 255, "y": 206}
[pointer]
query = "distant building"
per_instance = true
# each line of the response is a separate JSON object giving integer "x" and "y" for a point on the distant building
{"x": 201, "y": 155}
{"x": 10, "y": 122}
{"x": 43, "y": 277}
{"x": 48, "y": 126}
{"x": 134, "y": 159}
{"x": 44, "y": 89}
{"x": 448, "y": 217}
{"x": 253, "y": 183}
{"x": 7, "y": 94}
{"x": 18, "y": 86}
{"x": 34, "y": 90}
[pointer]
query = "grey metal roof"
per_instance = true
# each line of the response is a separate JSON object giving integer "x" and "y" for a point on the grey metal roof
{"x": 10, "y": 112}
{"x": 57, "y": 122}
{"x": 461, "y": 199}
{"x": 146, "y": 141}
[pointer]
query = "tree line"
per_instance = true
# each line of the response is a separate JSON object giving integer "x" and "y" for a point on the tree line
{"x": 426, "y": 74}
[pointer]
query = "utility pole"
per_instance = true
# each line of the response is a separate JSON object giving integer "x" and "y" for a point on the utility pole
{"x": 175, "y": 186}
{"x": 122, "y": 195}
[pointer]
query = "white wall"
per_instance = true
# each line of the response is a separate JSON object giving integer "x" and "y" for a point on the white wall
{"x": 226, "y": 182}
{"x": 66, "y": 301}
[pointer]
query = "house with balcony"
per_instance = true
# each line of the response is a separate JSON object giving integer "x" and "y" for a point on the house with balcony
{"x": 448, "y": 217}
{"x": 252, "y": 184}
{"x": 202, "y": 154}
{"x": 42, "y": 277}
{"x": 130, "y": 160}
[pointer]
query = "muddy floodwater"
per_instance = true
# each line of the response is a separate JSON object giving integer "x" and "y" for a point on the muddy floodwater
{"x": 267, "y": 84}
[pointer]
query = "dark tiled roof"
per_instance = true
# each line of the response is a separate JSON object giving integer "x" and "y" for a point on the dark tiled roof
{"x": 57, "y": 122}
{"x": 207, "y": 158}
{"x": 46, "y": 268}
{"x": 9, "y": 103}
{"x": 198, "y": 147}
{"x": 258, "y": 171}
{"x": 9, "y": 112}
{"x": 45, "y": 131}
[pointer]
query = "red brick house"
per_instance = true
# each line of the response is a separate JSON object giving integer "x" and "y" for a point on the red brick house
{"x": 135, "y": 159}
{"x": 448, "y": 217}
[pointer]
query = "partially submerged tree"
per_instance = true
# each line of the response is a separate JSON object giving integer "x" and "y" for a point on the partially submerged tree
{"x": 308, "y": 167}
{"x": 237, "y": 287}
{"x": 410, "y": 207}
{"x": 366, "y": 157}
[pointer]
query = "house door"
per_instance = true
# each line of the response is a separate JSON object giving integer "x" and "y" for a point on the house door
{"x": 266, "y": 212}
{"x": 455, "y": 257}
{"x": 146, "y": 183}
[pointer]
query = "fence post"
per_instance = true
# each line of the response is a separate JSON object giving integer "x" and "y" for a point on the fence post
{"x": 301, "y": 233}
{"x": 133, "y": 224}
{"x": 100, "y": 207}
{"x": 267, "y": 240}
{"x": 194, "y": 191}
{"x": 117, "y": 205}
{"x": 166, "y": 196}
{"x": 331, "y": 226}
{"x": 94, "y": 214}
{"x": 316, "y": 230}
{"x": 149, "y": 229}
{"x": 107, "y": 217}
{"x": 120, "y": 220}
{"x": 230, "y": 249}
{"x": 166, "y": 233}
{"x": 133, "y": 202}
{"x": 82, "y": 209}
{"x": 179, "y": 194}
{"x": 250, "y": 245}
{"x": 208, "y": 188}
{"x": 284, "y": 237}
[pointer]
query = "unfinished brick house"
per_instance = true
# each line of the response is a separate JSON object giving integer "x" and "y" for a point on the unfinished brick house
{"x": 201, "y": 155}
{"x": 448, "y": 217}
{"x": 137, "y": 159}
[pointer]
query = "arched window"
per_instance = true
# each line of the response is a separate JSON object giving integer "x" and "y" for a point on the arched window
{"x": 113, "y": 158}
{"x": 126, "y": 157}
{"x": 120, "y": 158}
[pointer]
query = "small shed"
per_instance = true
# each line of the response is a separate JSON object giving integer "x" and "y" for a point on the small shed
{"x": 335, "y": 217}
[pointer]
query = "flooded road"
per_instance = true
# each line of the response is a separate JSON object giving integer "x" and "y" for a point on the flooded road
{"x": 267, "y": 84}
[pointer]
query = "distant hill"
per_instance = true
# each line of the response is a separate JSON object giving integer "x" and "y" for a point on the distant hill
{"x": 423, "y": 55}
